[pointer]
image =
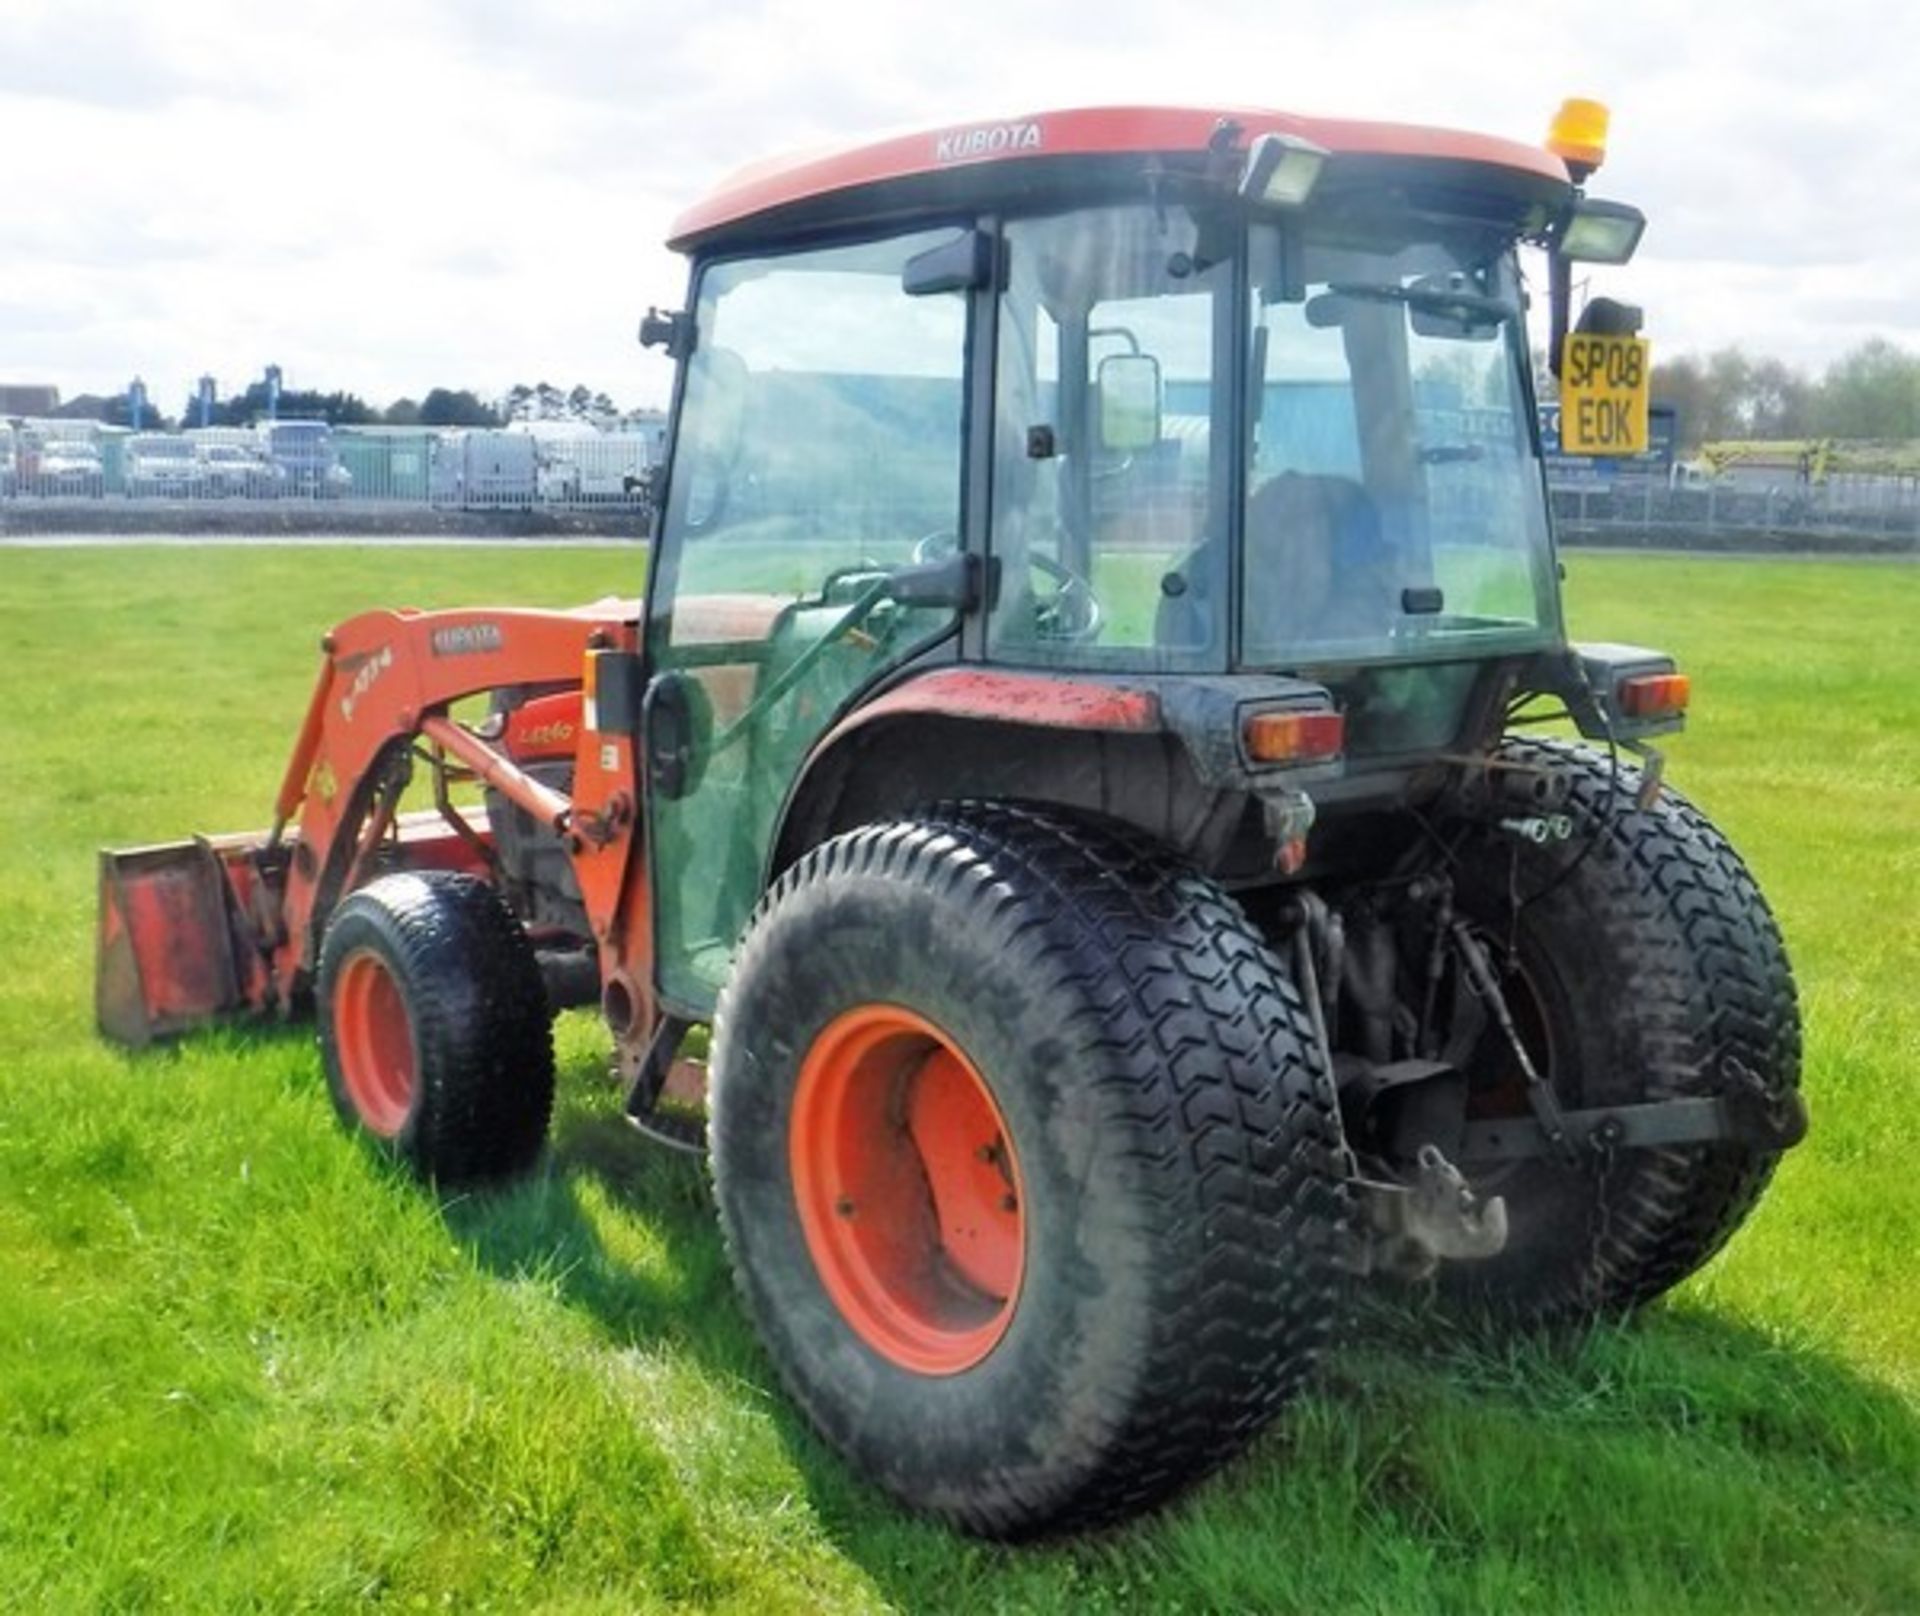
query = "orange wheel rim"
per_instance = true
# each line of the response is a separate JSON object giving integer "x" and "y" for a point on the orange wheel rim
{"x": 373, "y": 1043}
{"x": 908, "y": 1189}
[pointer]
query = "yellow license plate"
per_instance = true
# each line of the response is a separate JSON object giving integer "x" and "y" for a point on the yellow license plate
{"x": 1605, "y": 383}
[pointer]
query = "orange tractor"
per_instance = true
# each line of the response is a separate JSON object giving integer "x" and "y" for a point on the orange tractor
{"x": 1067, "y": 755}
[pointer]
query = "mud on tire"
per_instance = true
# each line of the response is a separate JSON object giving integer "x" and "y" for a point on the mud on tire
{"x": 1177, "y": 1146}
{"x": 434, "y": 1027}
{"x": 1659, "y": 973}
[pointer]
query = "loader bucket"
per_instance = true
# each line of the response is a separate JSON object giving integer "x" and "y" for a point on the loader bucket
{"x": 167, "y": 959}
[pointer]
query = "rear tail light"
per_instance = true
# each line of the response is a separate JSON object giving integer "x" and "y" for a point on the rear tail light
{"x": 1293, "y": 737}
{"x": 1653, "y": 695}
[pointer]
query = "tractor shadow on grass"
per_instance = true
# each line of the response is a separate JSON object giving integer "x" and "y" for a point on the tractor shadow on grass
{"x": 1684, "y": 1459}
{"x": 621, "y": 1228}
{"x": 1706, "y": 1441}
{"x": 624, "y": 1230}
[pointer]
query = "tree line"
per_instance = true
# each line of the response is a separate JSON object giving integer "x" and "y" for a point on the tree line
{"x": 1871, "y": 391}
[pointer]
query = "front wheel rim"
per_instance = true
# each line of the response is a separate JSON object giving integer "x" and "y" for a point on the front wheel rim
{"x": 908, "y": 1189}
{"x": 373, "y": 1043}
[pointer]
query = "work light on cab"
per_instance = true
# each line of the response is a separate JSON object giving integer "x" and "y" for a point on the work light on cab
{"x": 1598, "y": 232}
{"x": 1281, "y": 170}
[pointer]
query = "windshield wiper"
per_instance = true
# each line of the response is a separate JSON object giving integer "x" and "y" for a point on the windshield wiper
{"x": 1467, "y": 307}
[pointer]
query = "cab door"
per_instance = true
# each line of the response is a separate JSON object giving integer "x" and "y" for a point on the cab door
{"x": 818, "y": 450}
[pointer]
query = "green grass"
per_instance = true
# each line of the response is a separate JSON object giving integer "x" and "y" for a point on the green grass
{"x": 243, "y": 1365}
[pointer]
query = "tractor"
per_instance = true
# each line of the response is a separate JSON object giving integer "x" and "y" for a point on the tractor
{"x": 1063, "y": 829}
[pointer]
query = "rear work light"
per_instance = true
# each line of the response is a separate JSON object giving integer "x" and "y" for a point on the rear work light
{"x": 1652, "y": 695}
{"x": 1293, "y": 737}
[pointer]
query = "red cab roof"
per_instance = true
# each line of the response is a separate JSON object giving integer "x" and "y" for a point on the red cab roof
{"x": 782, "y": 182}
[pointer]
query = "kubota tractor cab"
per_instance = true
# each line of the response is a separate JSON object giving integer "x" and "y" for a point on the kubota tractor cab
{"x": 1067, "y": 754}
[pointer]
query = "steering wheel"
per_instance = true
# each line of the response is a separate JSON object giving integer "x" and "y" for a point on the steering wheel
{"x": 934, "y": 546}
{"x": 1071, "y": 615}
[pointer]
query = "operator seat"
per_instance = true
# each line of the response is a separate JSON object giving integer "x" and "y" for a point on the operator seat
{"x": 1318, "y": 568}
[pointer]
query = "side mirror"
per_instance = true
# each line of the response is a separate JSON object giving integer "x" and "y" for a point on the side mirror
{"x": 1128, "y": 388}
{"x": 1609, "y": 317}
{"x": 676, "y": 721}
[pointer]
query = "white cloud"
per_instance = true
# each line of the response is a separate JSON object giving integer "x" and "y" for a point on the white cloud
{"x": 395, "y": 195}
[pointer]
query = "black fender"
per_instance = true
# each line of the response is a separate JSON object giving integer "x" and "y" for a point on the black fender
{"x": 1130, "y": 749}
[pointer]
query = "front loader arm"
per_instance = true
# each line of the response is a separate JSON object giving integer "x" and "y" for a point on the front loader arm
{"x": 197, "y": 929}
{"x": 387, "y": 677}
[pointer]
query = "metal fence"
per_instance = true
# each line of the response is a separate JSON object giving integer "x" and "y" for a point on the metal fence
{"x": 551, "y": 466}
{"x": 1843, "y": 512}
{"x": 63, "y": 475}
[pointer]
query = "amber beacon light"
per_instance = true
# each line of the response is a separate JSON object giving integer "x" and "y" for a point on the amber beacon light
{"x": 1578, "y": 133}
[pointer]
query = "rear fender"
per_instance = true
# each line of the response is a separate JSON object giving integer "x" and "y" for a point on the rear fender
{"x": 1091, "y": 746}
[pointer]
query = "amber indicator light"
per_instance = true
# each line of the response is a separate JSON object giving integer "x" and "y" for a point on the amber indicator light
{"x": 1654, "y": 695}
{"x": 1294, "y": 737}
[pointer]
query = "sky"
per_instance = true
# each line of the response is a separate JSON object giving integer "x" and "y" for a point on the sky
{"x": 386, "y": 196}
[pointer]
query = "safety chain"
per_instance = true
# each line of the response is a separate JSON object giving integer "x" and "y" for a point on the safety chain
{"x": 1603, "y": 1142}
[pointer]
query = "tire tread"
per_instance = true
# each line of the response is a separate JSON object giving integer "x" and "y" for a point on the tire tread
{"x": 482, "y": 1027}
{"x": 1195, "y": 1038}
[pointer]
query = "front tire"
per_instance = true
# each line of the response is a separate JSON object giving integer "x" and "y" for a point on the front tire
{"x": 434, "y": 1027}
{"x": 1647, "y": 968}
{"x": 1027, "y": 1164}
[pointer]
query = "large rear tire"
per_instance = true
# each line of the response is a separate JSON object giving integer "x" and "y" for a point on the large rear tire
{"x": 434, "y": 1027}
{"x": 1648, "y": 967}
{"x": 1027, "y": 1163}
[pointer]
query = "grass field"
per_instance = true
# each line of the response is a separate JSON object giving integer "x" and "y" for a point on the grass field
{"x": 242, "y": 1365}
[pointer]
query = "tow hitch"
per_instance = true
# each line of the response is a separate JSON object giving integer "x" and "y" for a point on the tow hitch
{"x": 1412, "y": 1227}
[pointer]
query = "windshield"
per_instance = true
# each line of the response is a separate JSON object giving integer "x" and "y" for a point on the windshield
{"x": 161, "y": 448}
{"x": 1359, "y": 424}
{"x": 1394, "y": 503}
